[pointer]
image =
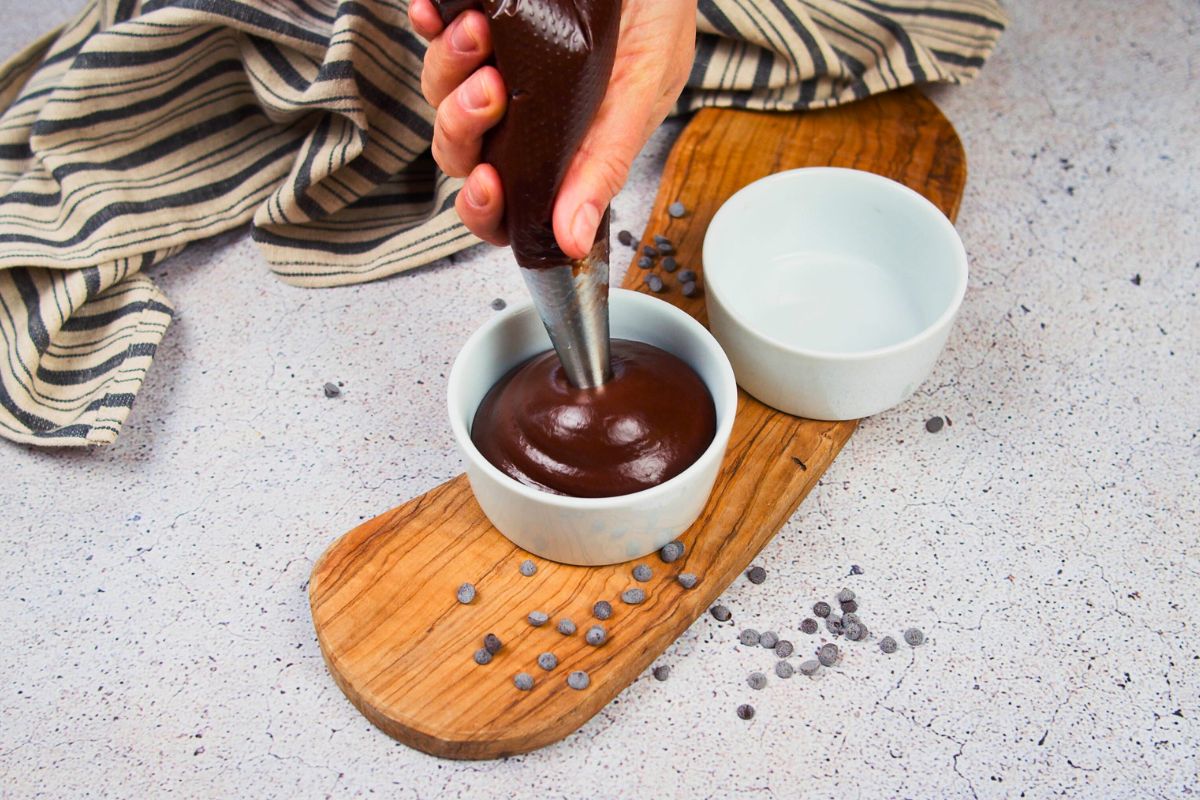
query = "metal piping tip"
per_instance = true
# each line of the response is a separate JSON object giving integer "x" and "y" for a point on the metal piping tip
{"x": 572, "y": 301}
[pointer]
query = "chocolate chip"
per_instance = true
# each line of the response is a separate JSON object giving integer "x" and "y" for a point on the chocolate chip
{"x": 523, "y": 681}
{"x": 566, "y": 627}
{"x": 749, "y": 637}
{"x": 669, "y": 264}
{"x": 850, "y": 606}
{"x": 809, "y": 626}
{"x": 578, "y": 680}
{"x": 756, "y": 681}
{"x": 855, "y": 569}
{"x": 769, "y": 639}
{"x": 492, "y": 643}
{"x": 887, "y": 644}
{"x": 833, "y": 624}
{"x": 756, "y": 574}
{"x": 642, "y": 573}
{"x": 690, "y": 289}
{"x": 547, "y": 661}
{"x": 784, "y": 648}
{"x": 466, "y": 593}
{"x": 528, "y": 568}
{"x": 596, "y": 635}
{"x": 633, "y": 596}
{"x": 671, "y": 551}
{"x": 687, "y": 275}
{"x": 650, "y": 251}
{"x": 498, "y": 304}
{"x": 845, "y": 596}
{"x": 784, "y": 670}
{"x": 482, "y": 656}
{"x": 934, "y": 424}
{"x": 828, "y": 654}
{"x": 645, "y": 263}
{"x": 686, "y": 579}
{"x": 720, "y": 613}
{"x": 849, "y": 617}
{"x": 655, "y": 283}
{"x": 821, "y": 609}
{"x": 677, "y": 210}
{"x": 855, "y": 631}
{"x": 538, "y": 618}
{"x": 662, "y": 672}
{"x": 625, "y": 238}
{"x": 331, "y": 390}
{"x": 666, "y": 249}
{"x": 602, "y": 609}
{"x": 810, "y": 667}
{"x": 660, "y": 239}
{"x": 914, "y": 637}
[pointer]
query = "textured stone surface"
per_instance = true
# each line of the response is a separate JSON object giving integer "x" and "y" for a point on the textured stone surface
{"x": 156, "y": 634}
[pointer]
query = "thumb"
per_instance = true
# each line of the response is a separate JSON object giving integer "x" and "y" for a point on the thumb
{"x": 597, "y": 172}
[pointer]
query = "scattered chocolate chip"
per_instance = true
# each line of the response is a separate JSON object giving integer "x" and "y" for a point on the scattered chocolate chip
{"x": 645, "y": 263}
{"x": 855, "y": 569}
{"x": 690, "y": 289}
{"x": 492, "y": 643}
{"x": 331, "y": 390}
{"x": 498, "y": 304}
{"x": 784, "y": 648}
{"x": 769, "y": 639}
{"x": 538, "y": 618}
{"x": 669, "y": 264}
{"x": 756, "y": 574}
{"x": 686, "y": 579}
{"x": 671, "y": 551}
{"x": 821, "y": 609}
{"x": 756, "y": 681}
{"x": 855, "y": 631}
{"x": 809, "y": 626}
{"x": 625, "y": 238}
{"x": 482, "y": 656}
{"x": 602, "y": 609}
{"x": 833, "y": 624}
{"x": 547, "y": 661}
{"x": 665, "y": 249}
{"x": 810, "y": 667}
{"x": 887, "y": 644}
{"x": 660, "y": 239}
{"x": 642, "y": 573}
{"x": 662, "y": 672}
{"x": 828, "y": 654}
{"x": 914, "y": 637}
{"x": 845, "y": 596}
{"x": 523, "y": 681}
{"x": 633, "y": 596}
{"x": 677, "y": 210}
{"x": 566, "y": 627}
{"x": 934, "y": 424}
{"x": 749, "y": 637}
{"x": 596, "y": 635}
{"x": 687, "y": 275}
{"x": 849, "y": 617}
{"x": 655, "y": 283}
{"x": 466, "y": 593}
{"x": 784, "y": 670}
{"x": 578, "y": 680}
{"x": 1136, "y": 280}
{"x": 720, "y": 613}
{"x": 650, "y": 251}
{"x": 528, "y": 568}
{"x": 850, "y": 606}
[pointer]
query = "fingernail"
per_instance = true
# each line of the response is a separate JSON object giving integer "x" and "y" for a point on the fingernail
{"x": 583, "y": 227}
{"x": 476, "y": 195}
{"x": 462, "y": 39}
{"x": 475, "y": 94}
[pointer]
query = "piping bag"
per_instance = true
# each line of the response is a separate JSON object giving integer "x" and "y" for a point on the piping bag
{"x": 556, "y": 58}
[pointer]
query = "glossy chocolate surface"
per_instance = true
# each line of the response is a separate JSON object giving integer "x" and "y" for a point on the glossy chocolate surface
{"x": 647, "y": 424}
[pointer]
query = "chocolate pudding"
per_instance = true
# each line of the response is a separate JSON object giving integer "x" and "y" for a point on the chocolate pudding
{"x": 645, "y": 425}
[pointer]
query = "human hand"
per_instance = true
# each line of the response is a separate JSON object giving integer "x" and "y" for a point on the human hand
{"x": 654, "y": 57}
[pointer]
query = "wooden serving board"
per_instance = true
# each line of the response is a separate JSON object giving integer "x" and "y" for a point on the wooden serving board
{"x": 383, "y": 595}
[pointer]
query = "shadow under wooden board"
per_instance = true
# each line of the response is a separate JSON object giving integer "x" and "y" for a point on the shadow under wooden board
{"x": 383, "y": 595}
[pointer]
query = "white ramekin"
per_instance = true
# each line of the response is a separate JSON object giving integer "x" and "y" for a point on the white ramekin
{"x": 832, "y": 290}
{"x": 603, "y": 530}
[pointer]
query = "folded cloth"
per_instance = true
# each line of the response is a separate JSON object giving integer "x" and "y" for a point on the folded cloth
{"x": 147, "y": 124}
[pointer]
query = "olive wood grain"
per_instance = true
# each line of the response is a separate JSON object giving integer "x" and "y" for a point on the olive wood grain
{"x": 383, "y": 595}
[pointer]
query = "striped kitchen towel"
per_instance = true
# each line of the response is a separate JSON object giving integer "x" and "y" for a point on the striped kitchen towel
{"x": 147, "y": 124}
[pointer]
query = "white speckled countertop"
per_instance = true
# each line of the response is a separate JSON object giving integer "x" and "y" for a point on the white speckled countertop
{"x": 156, "y": 637}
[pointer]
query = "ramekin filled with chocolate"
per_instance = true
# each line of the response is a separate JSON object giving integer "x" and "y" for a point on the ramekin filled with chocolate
{"x": 600, "y": 475}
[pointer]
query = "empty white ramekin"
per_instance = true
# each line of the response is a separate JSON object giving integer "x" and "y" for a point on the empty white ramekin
{"x": 590, "y": 531}
{"x": 832, "y": 290}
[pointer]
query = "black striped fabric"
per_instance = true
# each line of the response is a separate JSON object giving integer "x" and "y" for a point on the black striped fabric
{"x": 146, "y": 124}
